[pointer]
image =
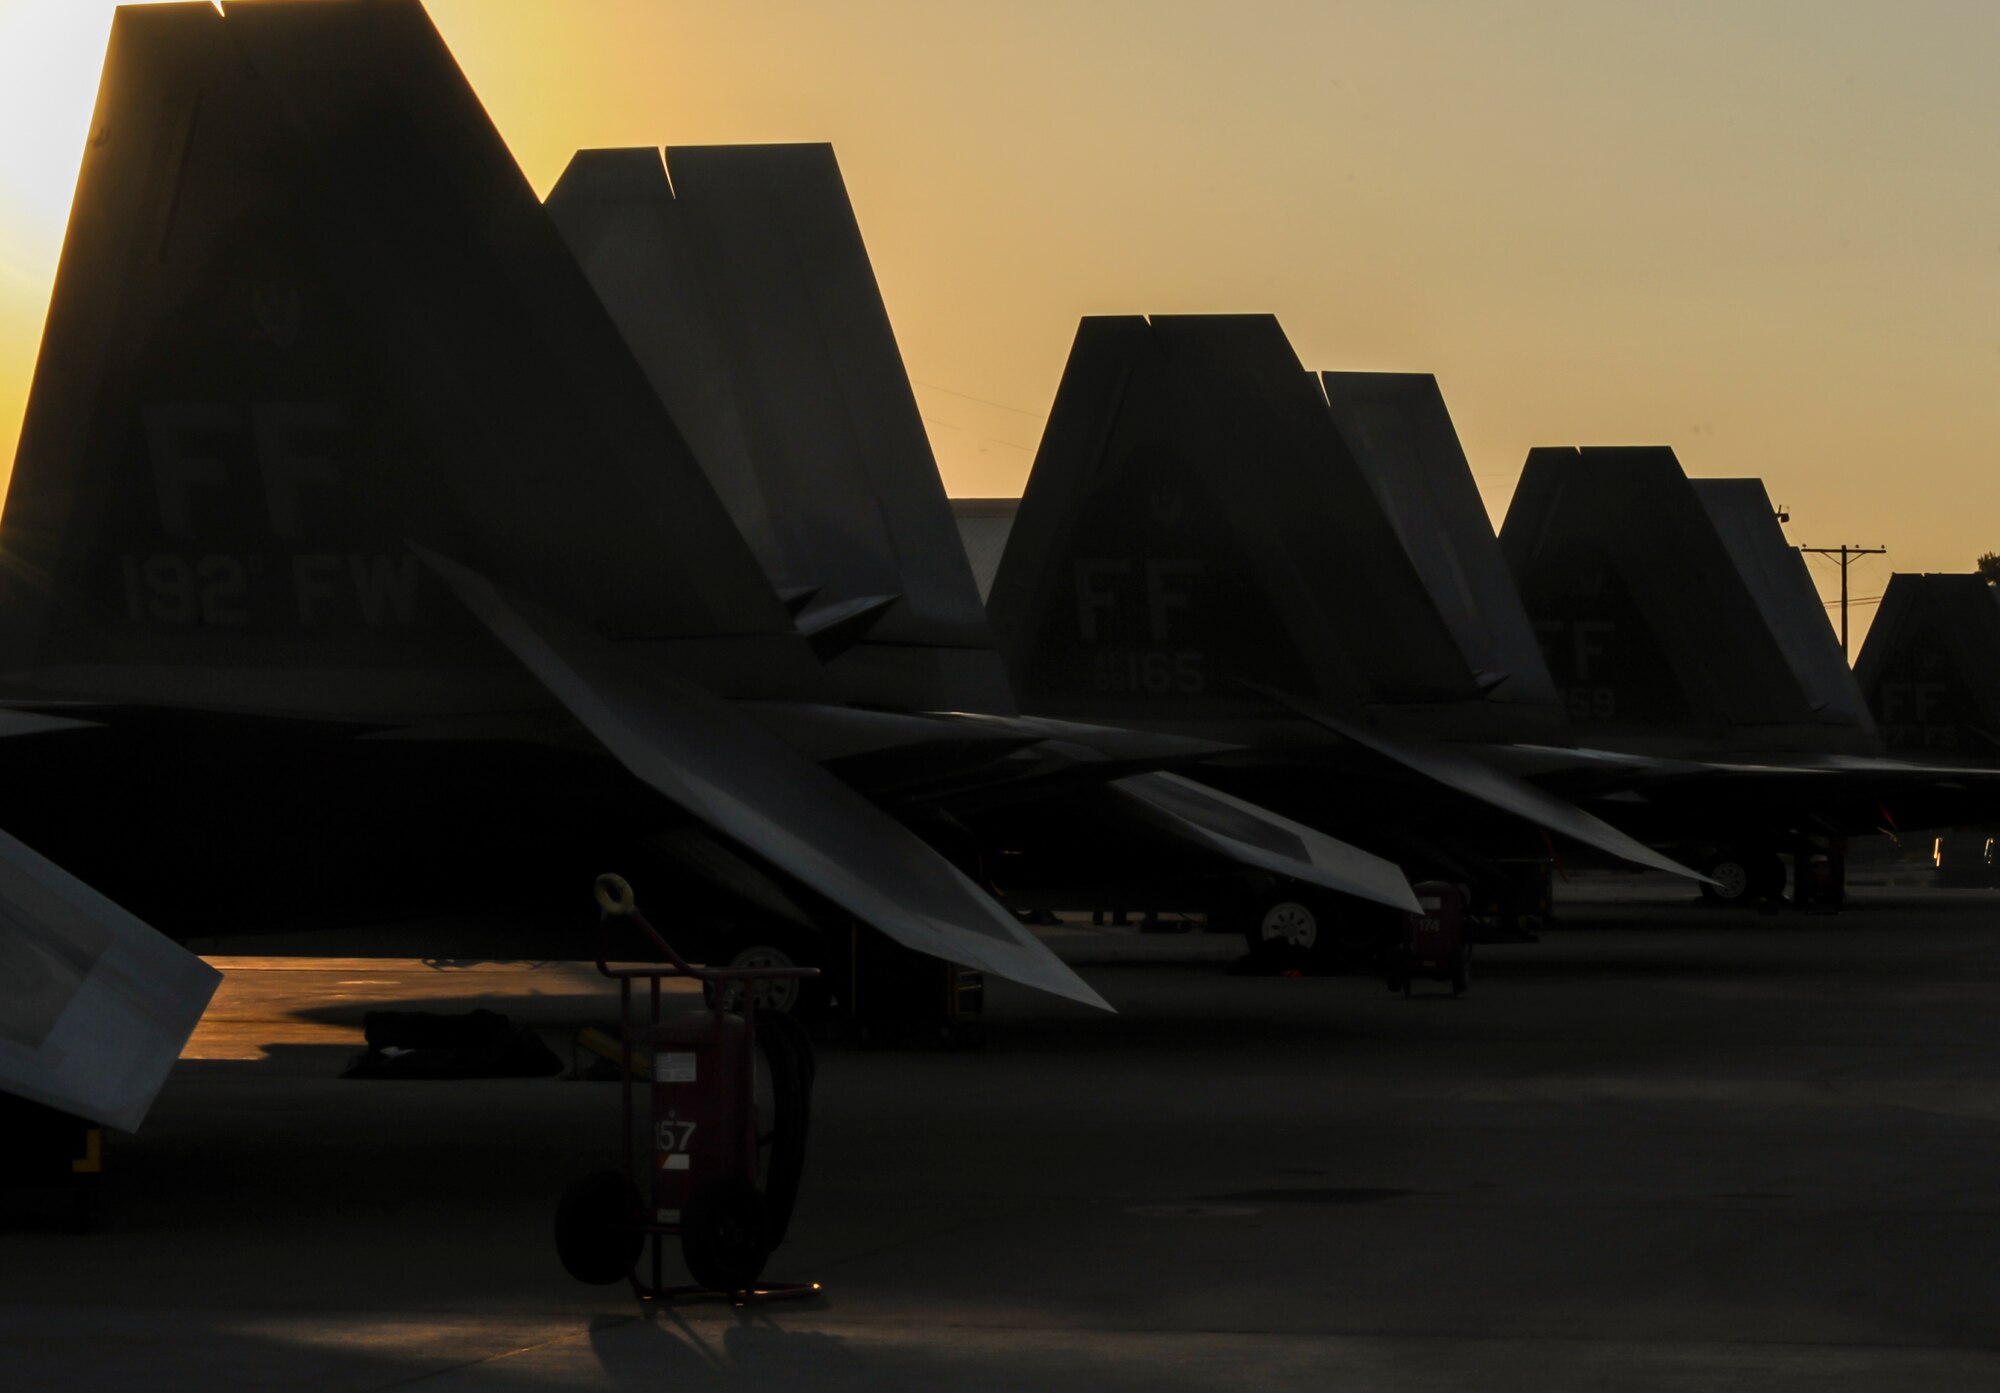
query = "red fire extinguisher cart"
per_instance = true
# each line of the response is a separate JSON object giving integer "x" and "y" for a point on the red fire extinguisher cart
{"x": 1435, "y": 945}
{"x": 689, "y": 1106}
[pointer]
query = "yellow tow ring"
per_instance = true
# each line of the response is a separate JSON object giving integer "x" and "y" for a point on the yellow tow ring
{"x": 614, "y": 894}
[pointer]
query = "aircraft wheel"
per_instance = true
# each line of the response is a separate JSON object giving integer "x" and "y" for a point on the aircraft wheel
{"x": 722, "y": 1235}
{"x": 596, "y": 1238}
{"x": 1735, "y": 878}
{"x": 1287, "y": 921}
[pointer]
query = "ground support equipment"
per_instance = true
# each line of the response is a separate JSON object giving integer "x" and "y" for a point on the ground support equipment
{"x": 712, "y": 1180}
{"x": 1435, "y": 945}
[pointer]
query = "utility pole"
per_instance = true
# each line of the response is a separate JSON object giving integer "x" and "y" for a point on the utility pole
{"x": 1846, "y": 555}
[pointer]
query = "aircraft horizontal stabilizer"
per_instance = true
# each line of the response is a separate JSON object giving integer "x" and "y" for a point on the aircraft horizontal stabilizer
{"x": 1497, "y": 788}
{"x": 1258, "y": 837}
{"x": 15, "y": 723}
{"x": 837, "y": 626}
{"x": 796, "y": 597}
{"x": 1106, "y": 742}
{"x": 95, "y": 1005}
{"x": 722, "y": 767}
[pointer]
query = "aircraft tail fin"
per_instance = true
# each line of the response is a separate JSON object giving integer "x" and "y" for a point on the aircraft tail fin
{"x": 1399, "y": 433}
{"x": 739, "y": 278}
{"x": 308, "y": 306}
{"x": 1789, "y": 604}
{"x": 1648, "y": 626}
{"x": 1185, "y": 532}
{"x": 1930, "y": 666}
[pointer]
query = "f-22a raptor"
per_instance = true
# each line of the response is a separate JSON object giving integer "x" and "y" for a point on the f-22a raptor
{"x": 352, "y": 562}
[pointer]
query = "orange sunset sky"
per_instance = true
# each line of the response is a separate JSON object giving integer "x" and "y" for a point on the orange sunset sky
{"x": 1767, "y": 234}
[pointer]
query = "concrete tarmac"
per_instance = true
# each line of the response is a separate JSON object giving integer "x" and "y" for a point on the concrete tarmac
{"x": 1664, "y": 1148}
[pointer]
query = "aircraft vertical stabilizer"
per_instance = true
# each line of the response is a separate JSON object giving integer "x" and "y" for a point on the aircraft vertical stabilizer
{"x": 1786, "y": 598}
{"x": 739, "y": 278}
{"x": 1183, "y": 535}
{"x": 1399, "y": 433}
{"x": 1650, "y": 631}
{"x": 1930, "y": 667}
{"x": 308, "y": 307}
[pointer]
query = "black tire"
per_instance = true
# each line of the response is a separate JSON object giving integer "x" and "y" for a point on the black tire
{"x": 1461, "y": 976}
{"x": 1767, "y": 876}
{"x": 788, "y": 1053}
{"x": 1295, "y": 927}
{"x": 1287, "y": 921}
{"x": 597, "y": 1234}
{"x": 723, "y": 1233}
{"x": 1398, "y": 974}
{"x": 1736, "y": 877}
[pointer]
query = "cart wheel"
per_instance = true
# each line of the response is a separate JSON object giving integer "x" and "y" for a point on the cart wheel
{"x": 1409, "y": 979}
{"x": 788, "y": 1053}
{"x": 596, "y": 1237}
{"x": 1461, "y": 976}
{"x": 722, "y": 1235}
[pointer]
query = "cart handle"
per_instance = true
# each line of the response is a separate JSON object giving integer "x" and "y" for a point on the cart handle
{"x": 616, "y": 900}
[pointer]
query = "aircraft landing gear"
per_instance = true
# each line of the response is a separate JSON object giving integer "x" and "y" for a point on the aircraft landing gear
{"x": 1286, "y": 919}
{"x": 1744, "y": 876}
{"x": 769, "y": 948}
{"x": 1294, "y": 926}
{"x": 1819, "y": 878}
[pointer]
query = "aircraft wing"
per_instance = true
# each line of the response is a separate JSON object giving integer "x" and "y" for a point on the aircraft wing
{"x": 1474, "y": 777}
{"x": 723, "y": 768}
{"x": 1257, "y": 837}
{"x": 95, "y": 1005}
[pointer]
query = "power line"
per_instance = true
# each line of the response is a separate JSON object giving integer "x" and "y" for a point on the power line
{"x": 1847, "y": 556}
{"x": 977, "y": 434}
{"x": 983, "y": 401}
